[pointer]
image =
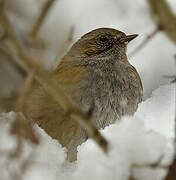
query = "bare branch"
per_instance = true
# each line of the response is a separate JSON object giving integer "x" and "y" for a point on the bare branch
{"x": 66, "y": 44}
{"x": 172, "y": 169}
{"x": 173, "y": 77}
{"x": 22, "y": 128}
{"x": 25, "y": 90}
{"x": 144, "y": 42}
{"x": 163, "y": 17}
{"x": 36, "y": 28}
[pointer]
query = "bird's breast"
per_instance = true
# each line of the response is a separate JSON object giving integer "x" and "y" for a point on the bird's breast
{"x": 110, "y": 92}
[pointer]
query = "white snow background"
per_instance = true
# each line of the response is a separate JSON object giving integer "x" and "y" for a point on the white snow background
{"x": 135, "y": 142}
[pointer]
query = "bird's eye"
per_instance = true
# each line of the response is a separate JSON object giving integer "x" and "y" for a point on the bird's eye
{"x": 98, "y": 44}
{"x": 103, "y": 39}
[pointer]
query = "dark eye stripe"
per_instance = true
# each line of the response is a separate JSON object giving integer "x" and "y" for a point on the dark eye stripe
{"x": 103, "y": 39}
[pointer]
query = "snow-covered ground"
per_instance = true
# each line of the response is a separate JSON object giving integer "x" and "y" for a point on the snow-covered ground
{"x": 135, "y": 142}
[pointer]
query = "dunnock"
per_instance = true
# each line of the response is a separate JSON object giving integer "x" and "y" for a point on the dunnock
{"x": 96, "y": 74}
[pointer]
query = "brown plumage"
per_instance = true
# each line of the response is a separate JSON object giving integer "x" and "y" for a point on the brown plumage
{"x": 96, "y": 74}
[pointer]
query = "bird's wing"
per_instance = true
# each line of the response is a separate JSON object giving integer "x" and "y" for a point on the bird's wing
{"x": 68, "y": 76}
{"x": 49, "y": 115}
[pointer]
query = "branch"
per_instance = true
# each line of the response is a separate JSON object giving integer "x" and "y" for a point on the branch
{"x": 24, "y": 92}
{"x": 163, "y": 17}
{"x": 36, "y": 28}
{"x": 144, "y": 42}
{"x": 66, "y": 44}
{"x": 172, "y": 169}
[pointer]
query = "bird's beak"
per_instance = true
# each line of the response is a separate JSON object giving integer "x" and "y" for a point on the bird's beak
{"x": 129, "y": 38}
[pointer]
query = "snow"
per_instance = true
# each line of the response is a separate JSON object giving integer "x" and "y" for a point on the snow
{"x": 130, "y": 145}
{"x": 135, "y": 144}
{"x": 155, "y": 114}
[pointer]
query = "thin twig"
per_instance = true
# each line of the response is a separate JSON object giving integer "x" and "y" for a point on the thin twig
{"x": 172, "y": 171}
{"x": 171, "y": 77}
{"x": 144, "y": 42}
{"x": 23, "y": 166}
{"x": 171, "y": 175}
{"x": 175, "y": 109}
{"x": 36, "y": 28}
{"x": 175, "y": 112}
{"x": 163, "y": 17}
{"x": 22, "y": 128}
{"x": 173, "y": 81}
{"x": 65, "y": 45}
{"x": 25, "y": 90}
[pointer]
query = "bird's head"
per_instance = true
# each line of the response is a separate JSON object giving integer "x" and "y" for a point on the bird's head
{"x": 102, "y": 42}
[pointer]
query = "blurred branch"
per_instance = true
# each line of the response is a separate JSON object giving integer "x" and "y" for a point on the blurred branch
{"x": 165, "y": 20}
{"x": 163, "y": 17}
{"x": 8, "y": 58}
{"x": 144, "y": 42}
{"x": 175, "y": 109}
{"x": 171, "y": 175}
{"x": 25, "y": 90}
{"x": 66, "y": 44}
{"x": 17, "y": 174}
{"x": 1, "y": 5}
{"x": 171, "y": 77}
{"x": 131, "y": 178}
{"x": 172, "y": 171}
{"x": 36, "y": 28}
{"x": 12, "y": 46}
{"x": 7, "y": 104}
{"x": 22, "y": 128}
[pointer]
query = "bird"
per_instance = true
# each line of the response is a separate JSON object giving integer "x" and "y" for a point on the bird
{"x": 97, "y": 76}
